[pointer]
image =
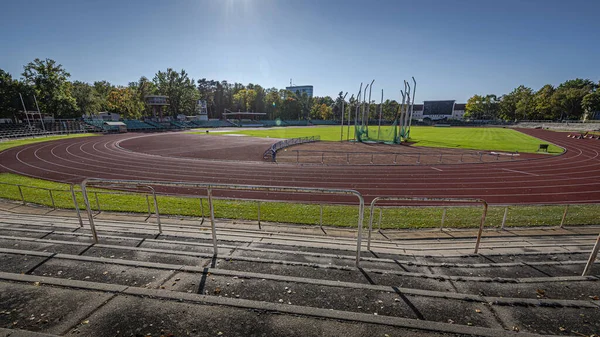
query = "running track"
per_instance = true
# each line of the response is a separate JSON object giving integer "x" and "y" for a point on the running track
{"x": 573, "y": 177}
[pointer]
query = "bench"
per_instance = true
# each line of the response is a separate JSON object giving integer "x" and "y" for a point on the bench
{"x": 542, "y": 147}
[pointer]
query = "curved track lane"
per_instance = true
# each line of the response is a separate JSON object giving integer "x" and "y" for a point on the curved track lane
{"x": 573, "y": 177}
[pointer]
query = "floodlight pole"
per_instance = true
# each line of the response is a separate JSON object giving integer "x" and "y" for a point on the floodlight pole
{"x": 406, "y": 113}
{"x": 342, "y": 127}
{"x": 412, "y": 105}
{"x": 38, "y": 109}
{"x": 380, "y": 110}
{"x": 25, "y": 110}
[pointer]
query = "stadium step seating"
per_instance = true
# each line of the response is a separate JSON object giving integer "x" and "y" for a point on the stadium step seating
{"x": 289, "y": 280}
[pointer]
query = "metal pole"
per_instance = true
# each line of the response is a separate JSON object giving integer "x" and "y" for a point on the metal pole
{"x": 25, "y": 110}
{"x": 361, "y": 215}
{"x": 52, "y": 199}
{"x": 259, "y": 226}
{"x": 380, "y": 110}
{"x": 379, "y": 222}
{"x": 97, "y": 202}
{"x": 321, "y": 217}
{"x": 38, "y": 109}
{"x": 148, "y": 204}
{"x": 156, "y": 210}
{"x": 443, "y": 218}
{"x": 562, "y": 221}
{"x": 412, "y": 106}
{"x": 401, "y": 112}
{"x": 212, "y": 220}
{"x": 21, "y": 193}
{"x": 297, "y": 155}
{"x": 362, "y": 122}
{"x": 592, "y": 259}
{"x": 358, "y": 104}
{"x": 201, "y": 211}
{"x": 504, "y": 217}
{"x": 485, "y": 208}
{"x": 89, "y": 212}
{"x": 76, "y": 204}
{"x": 370, "y": 227}
{"x": 342, "y": 128}
{"x": 369, "y": 105}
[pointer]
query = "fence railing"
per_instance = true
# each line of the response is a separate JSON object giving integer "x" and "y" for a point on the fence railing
{"x": 271, "y": 153}
{"x": 430, "y": 200}
{"x": 209, "y": 187}
{"x": 70, "y": 196}
{"x": 392, "y": 158}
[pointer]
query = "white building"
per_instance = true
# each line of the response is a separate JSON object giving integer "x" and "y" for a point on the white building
{"x": 301, "y": 89}
{"x": 437, "y": 110}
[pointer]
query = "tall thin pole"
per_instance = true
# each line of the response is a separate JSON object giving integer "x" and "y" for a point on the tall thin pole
{"x": 342, "y": 127}
{"x": 369, "y": 106}
{"x": 364, "y": 97}
{"x": 406, "y": 113}
{"x": 412, "y": 105}
{"x": 357, "y": 109}
{"x": 401, "y": 113}
{"x": 38, "y": 109}
{"x": 380, "y": 110}
{"x": 25, "y": 110}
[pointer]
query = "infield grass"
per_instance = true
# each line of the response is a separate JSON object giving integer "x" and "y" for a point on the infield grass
{"x": 18, "y": 142}
{"x": 473, "y": 138}
{"x": 307, "y": 214}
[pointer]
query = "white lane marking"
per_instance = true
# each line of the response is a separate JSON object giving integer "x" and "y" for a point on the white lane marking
{"x": 515, "y": 171}
{"x": 437, "y": 169}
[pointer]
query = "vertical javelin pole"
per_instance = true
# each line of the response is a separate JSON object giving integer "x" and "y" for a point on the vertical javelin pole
{"x": 357, "y": 109}
{"x": 406, "y": 114}
{"x": 380, "y": 109}
{"x": 369, "y": 106}
{"x": 412, "y": 105}
{"x": 362, "y": 106}
{"x": 401, "y": 114}
{"x": 342, "y": 127}
{"x": 39, "y": 113}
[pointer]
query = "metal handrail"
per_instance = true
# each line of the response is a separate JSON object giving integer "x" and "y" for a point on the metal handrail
{"x": 216, "y": 186}
{"x": 459, "y": 200}
{"x": 270, "y": 153}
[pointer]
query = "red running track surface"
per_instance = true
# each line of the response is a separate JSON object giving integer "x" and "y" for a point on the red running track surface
{"x": 573, "y": 177}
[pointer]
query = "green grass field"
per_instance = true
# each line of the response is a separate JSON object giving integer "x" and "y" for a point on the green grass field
{"x": 494, "y": 139}
{"x": 307, "y": 214}
{"x": 12, "y": 143}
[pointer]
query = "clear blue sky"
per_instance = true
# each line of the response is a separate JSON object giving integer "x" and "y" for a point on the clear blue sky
{"x": 454, "y": 48}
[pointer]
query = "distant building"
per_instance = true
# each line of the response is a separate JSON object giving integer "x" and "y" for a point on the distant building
{"x": 301, "y": 89}
{"x": 437, "y": 110}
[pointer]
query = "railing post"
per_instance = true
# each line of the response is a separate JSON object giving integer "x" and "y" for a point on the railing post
{"x": 76, "y": 204}
{"x": 372, "y": 158}
{"x": 297, "y": 156}
{"x": 89, "y": 212}
{"x": 504, "y": 217}
{"x": 212, "y": 220}
{"x": 156, "y": 210}
{"x": 52, "y": 199}
{"x": 395, "y": 159}
{"x": 592, "y": 259}
{"x": 322, "y": 157}
{"x": 201, "y": 211}
{"x": 258, "y": 211}
{"x": 562, "y": 221}
{"x": 441, "y": 157}
{"x": 443, "y": 218}
{"x": 379, "y": 222}
{"x": 148, "y": 204}
{"x": 321, "y": 218}
{"x": 485, "y": 208}
{"x": 361, "y": 215}
{"x": 21, "y": 193}
{"x": 97, "y": 202}
{"x": 419, "y": 158}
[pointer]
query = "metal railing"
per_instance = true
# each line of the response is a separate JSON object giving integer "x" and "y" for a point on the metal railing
{"x": 430, "y": 200}
{"x": 271, "y": 152}
{"x": 209, "y": 187}
{"x": 396, "y": 158}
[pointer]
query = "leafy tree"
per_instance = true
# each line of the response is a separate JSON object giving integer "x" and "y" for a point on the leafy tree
{"x": 125, "y": 102}
{"x": 180, "y": 88}
{"x": 52, "y": 88}
{"x": 245, "y": 99}
{"x": 9, "y": 96}
{"x": 140, "y": 89}
{"x": 542, "y": 101}
{"x": 87, "y": 100}
{"x": 591, "y": 105}
{"x": 482, "y": 107}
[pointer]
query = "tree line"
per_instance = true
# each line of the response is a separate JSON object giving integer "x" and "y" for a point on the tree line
{"x": 57, "y": 95}
{"x": 571, "y": 100}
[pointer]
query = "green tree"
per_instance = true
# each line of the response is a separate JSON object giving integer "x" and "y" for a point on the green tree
{"x": 591, "y": 105}
{"x": 180, "y": 88}
{"x": 245, "y": 99}
{"x": 87, "y": 100}
{"x": 125, "y": 102}
{"x": 482, "y": 107}
{"x": 9, "y": 96}
{"x": 542, "y": 101}
{"x": 52, "y": 88}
